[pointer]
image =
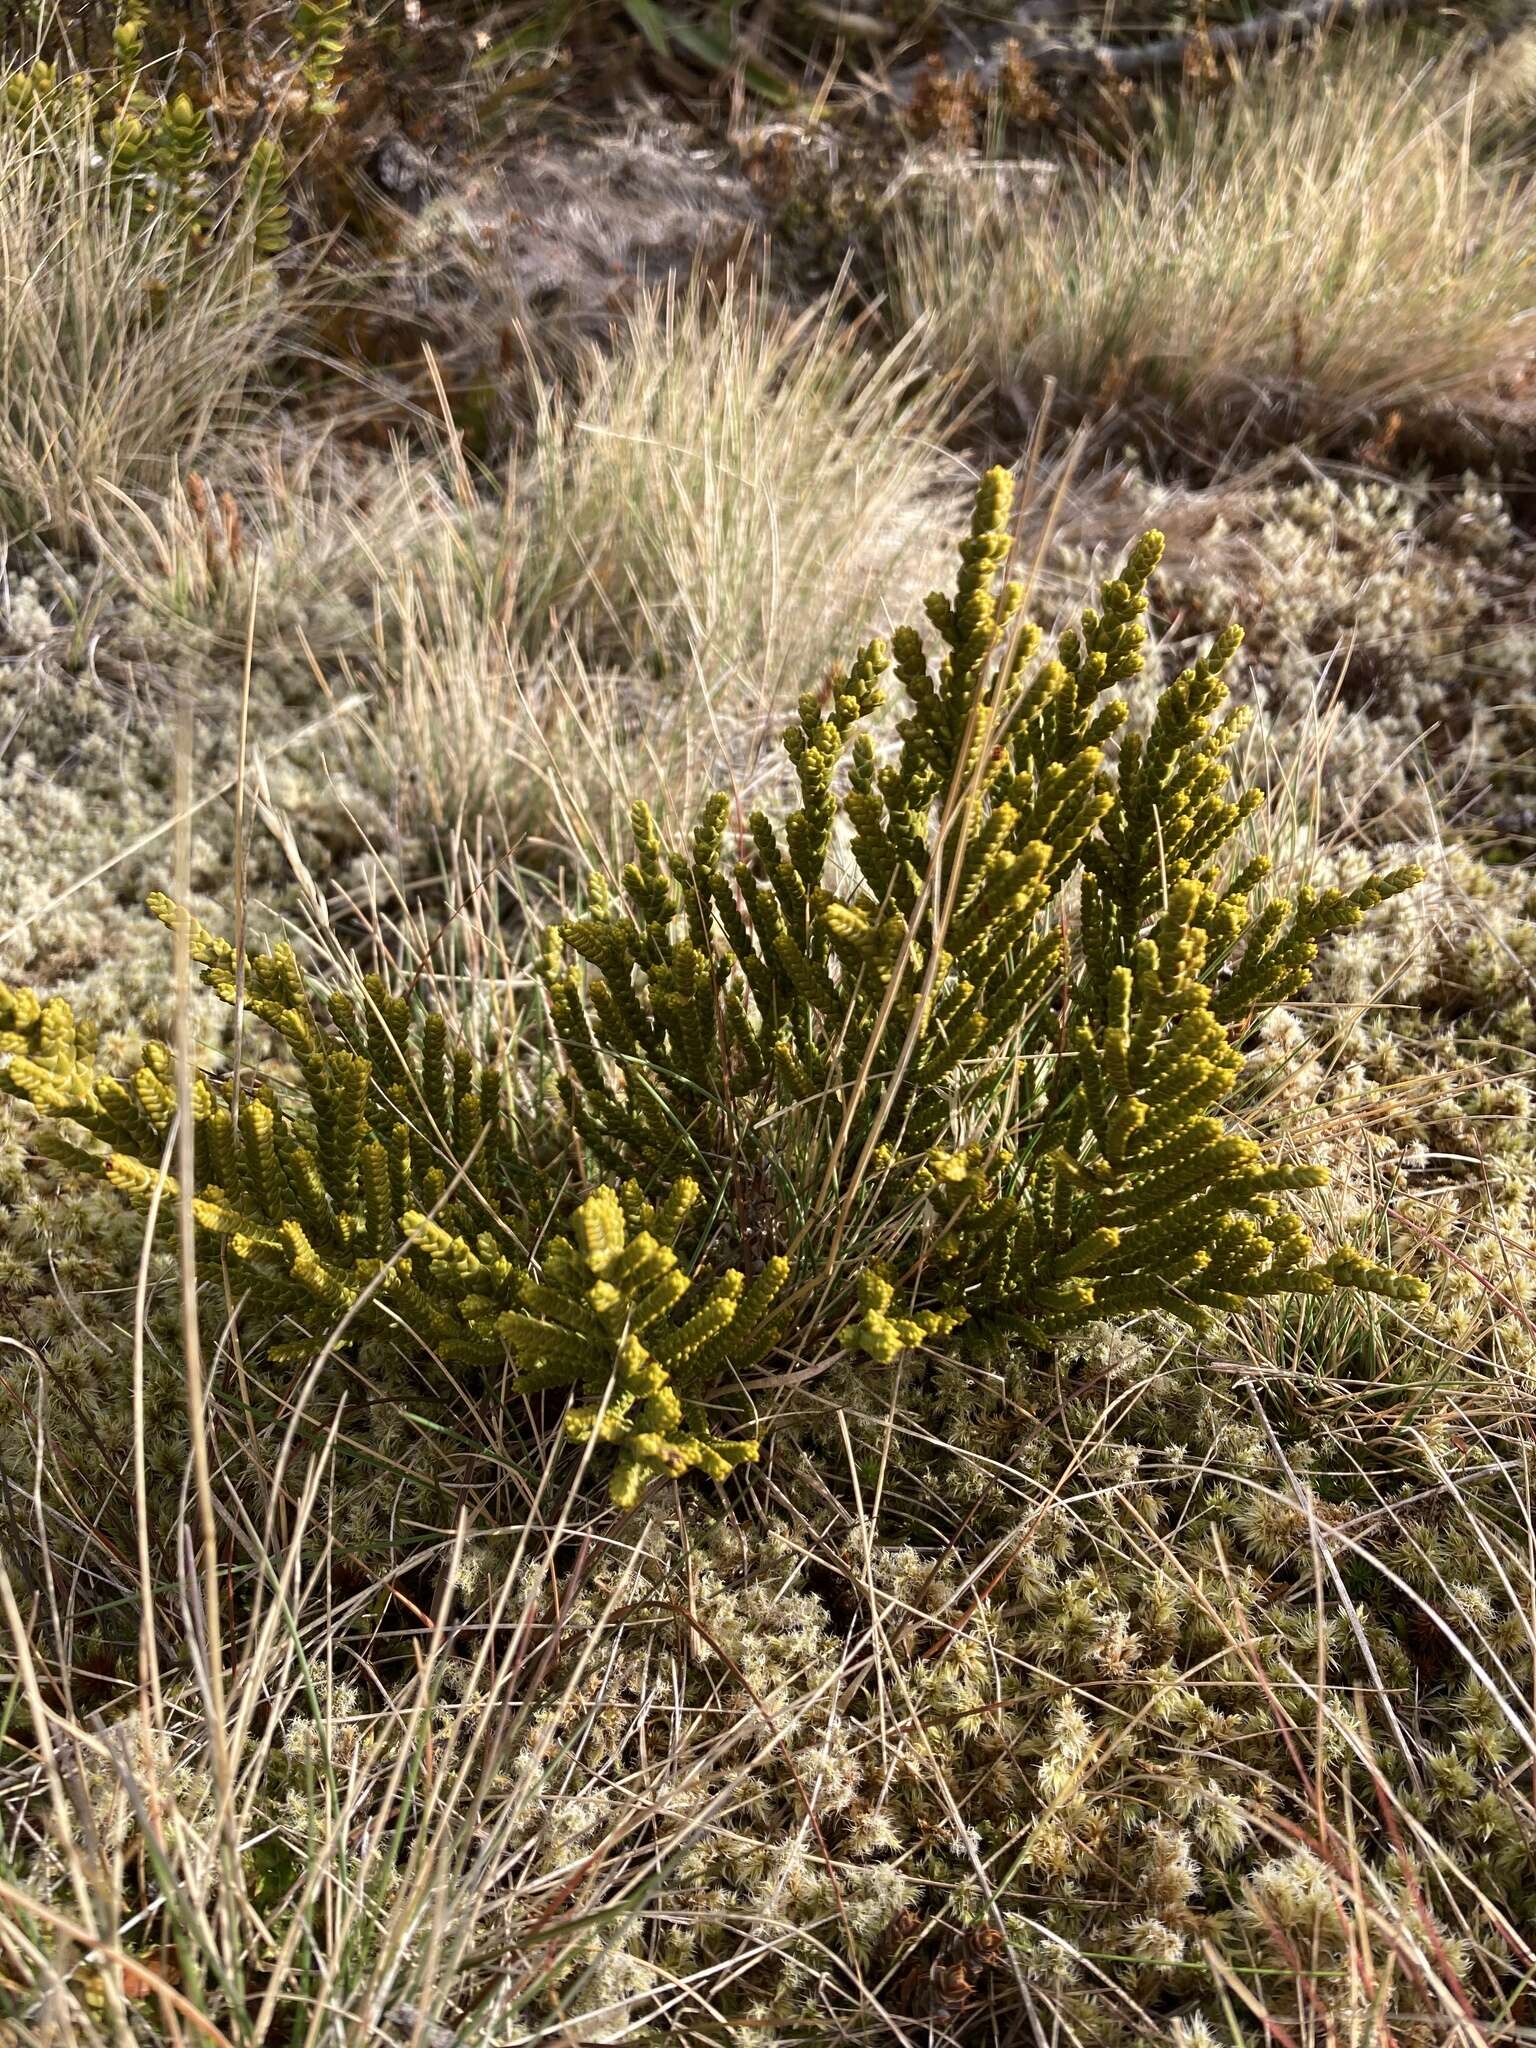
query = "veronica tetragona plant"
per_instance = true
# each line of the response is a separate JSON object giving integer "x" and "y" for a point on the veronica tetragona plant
{"x": 952, "y": 1050}
{"x": 994, "y": 973}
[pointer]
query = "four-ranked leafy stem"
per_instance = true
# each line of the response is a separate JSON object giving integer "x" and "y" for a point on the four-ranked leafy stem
{"x": 946, "y": 1056}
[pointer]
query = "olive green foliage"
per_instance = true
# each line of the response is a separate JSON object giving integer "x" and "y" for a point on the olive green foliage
{"x": 154, "y": 146}
{"x": 264, "y": 185}
{"x": 711, "y": 39}
{"x": 377, "y": 1199}
{"x": 1021, "y": 1088}
{"x": 609, "y": 1291}
{"x": 155, "y": 143}
{"x": 318, "y": 30}
{"x": 160, "y": 159}
{"x": 1019, "y": 999}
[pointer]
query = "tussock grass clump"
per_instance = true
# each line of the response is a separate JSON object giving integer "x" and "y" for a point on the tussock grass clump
{"x": 313, "y": 527}
{"x": 126, "y": 348}
{"x": 726, "y": 494}
{"x": 1314, "y": 246}
{"x": 1504, "y": 104}
{"x": 530, "y": 726}
{"x": 690, "y": 524}
{"x": 479, "y": 739}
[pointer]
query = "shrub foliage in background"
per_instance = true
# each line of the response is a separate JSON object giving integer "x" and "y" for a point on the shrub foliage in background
{"x": 949, "y": 1055}
{"x": 153, "y": 145}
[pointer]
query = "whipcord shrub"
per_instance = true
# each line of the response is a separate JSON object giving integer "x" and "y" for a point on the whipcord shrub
{"x": 946, "y": 1057}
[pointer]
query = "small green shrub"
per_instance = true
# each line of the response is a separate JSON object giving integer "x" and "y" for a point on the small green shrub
{"x": 952, "y": 1054}
{"x": 944, "y": 1022}
{"x": 153, "y": 146}
{"x": 319, "y": 31}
